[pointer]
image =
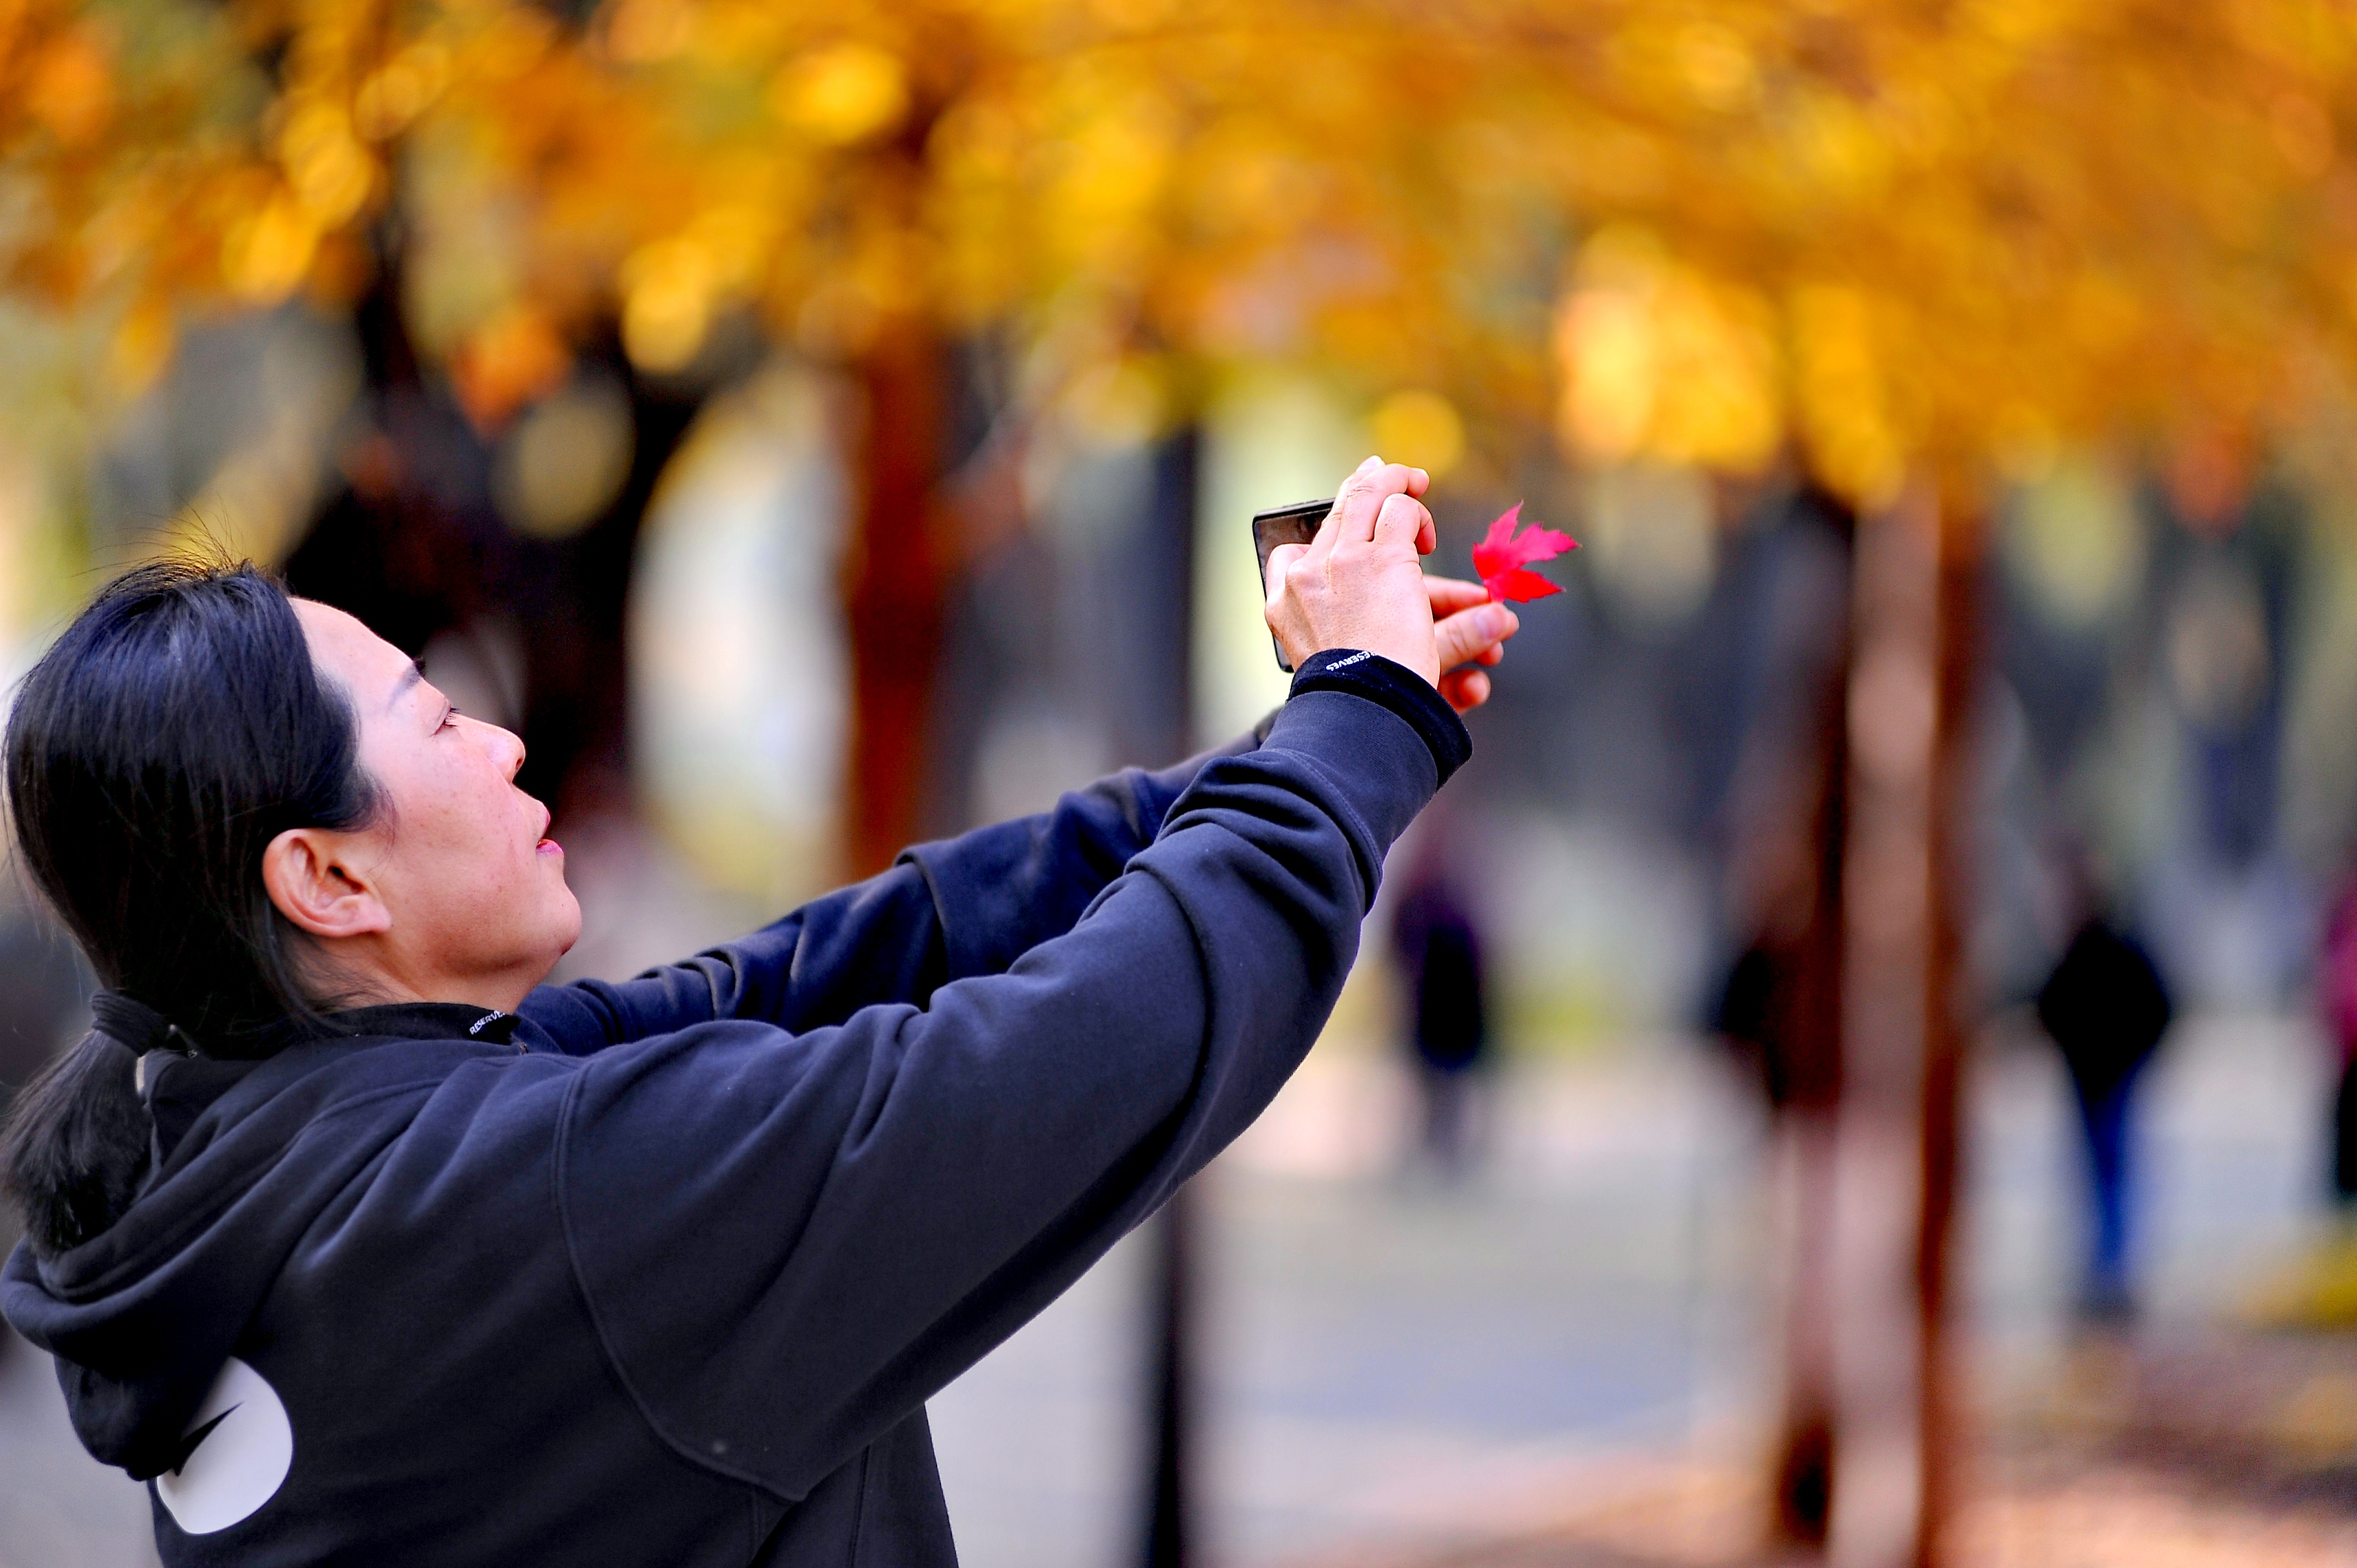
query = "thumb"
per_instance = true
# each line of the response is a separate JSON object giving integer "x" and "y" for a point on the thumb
{"x": 1460, "y": 636}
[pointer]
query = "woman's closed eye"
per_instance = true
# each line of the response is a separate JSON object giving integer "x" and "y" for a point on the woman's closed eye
{"x": 449, "y": 712}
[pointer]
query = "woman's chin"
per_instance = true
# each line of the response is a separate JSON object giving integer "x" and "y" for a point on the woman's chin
{"x": 569, "y": 924}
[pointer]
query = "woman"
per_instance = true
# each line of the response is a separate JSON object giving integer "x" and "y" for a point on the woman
{"x": 364, "y": 1247}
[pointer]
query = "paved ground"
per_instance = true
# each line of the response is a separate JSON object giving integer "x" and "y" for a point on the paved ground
{"x": 1383, "y": 1355}
{"x": 1561, "y": 1364}
{"x": 58, "y": 1508}
{"x": 1558, "y": 1364}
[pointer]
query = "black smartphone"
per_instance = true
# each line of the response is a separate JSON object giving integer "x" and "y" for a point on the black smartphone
{"x": 1295, "y": 524}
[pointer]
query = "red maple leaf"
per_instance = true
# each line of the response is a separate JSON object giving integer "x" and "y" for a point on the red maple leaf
{"x": 1501, "y": 557}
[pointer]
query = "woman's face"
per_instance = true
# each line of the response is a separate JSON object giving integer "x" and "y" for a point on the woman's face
{"x": 474, "y": 904}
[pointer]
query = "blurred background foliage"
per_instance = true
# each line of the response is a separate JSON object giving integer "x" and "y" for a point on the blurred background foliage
{"x": 1883, "y": 233}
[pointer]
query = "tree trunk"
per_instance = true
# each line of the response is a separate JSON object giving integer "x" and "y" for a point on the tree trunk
{"x": 1805, "y": 1088}
{"x": 897, "y": 579}
{"x": 572, "y": 597}
{"x": 1894, "y": 1197}
{"x": 413, "y": 546}
{"x": 1948, "y": 1018}
{"x": 1170, "y": 1473}
{"x": 1159, "y": 726}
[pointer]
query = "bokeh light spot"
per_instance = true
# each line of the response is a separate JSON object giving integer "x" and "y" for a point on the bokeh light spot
{"x": 566, "y": 460}
{"x": 1419, "y": 428}
{"x": 842, "y": 94}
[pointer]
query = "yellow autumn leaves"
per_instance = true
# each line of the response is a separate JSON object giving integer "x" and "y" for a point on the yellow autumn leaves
{"x": 1870, "y": 233}
{"x": 1662, "y": 362}
{"x": 842, "y": 93}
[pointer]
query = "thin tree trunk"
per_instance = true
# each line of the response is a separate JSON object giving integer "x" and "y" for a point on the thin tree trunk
{"x": 1169, "y": 1493}
{"x": 1163, "y": 726}
{"x": 1806, "y": 1093}
{"x": 1800, "y": 1503}
{"x": 1947, "y": 1018}
{"x": 898, "y": 574}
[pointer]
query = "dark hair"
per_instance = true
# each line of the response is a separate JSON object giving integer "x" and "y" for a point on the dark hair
{"x": 175, "y": 729}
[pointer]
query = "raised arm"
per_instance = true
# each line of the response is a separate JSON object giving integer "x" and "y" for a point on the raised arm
{"x": 961, "y": 907}
{"x": 970, "y": 907}
{"x": 789, "y": 1243}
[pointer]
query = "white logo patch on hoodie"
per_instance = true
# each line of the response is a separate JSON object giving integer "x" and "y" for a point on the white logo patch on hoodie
{"x": 240, "y": 1447}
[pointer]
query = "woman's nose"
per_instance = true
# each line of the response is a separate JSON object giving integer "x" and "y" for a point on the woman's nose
{"x": 508, "y": 747}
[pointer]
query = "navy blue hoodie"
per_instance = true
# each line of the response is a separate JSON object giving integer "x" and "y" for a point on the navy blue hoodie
{"x": 664, "y": 1272}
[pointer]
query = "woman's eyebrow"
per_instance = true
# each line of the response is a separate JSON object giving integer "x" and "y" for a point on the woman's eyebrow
{"x": 409, "y": 677}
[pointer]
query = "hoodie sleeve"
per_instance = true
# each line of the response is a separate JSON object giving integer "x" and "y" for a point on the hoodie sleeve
{"x": 788, "y": 1243}
{"x": 963, "y": 907}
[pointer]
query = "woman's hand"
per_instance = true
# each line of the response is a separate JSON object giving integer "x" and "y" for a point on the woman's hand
{"x": 1359, "y": 584}
{"x": 1468, "y": 631}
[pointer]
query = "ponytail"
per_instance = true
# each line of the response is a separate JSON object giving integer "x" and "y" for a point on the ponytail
{"x": 73, "y": 1146}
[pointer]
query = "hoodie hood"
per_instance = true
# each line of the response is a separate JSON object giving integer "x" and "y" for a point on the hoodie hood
{"x": 250, "y": 1155}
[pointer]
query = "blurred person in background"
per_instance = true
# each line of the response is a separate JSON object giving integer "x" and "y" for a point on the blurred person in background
{"x": 2106, "y": 1007}
{"x": 1438, "y": 942}
{"x": 359, "y": 1243}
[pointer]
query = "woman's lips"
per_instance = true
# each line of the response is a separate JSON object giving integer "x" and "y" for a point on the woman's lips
{"x": 548, "y": 846}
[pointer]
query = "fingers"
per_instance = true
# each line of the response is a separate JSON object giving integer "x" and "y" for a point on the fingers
{"x": 1471, "y": 634}
{"x": 1281, "y": 557}
{"x": 1465, "y": 690}
{"x": 1362, "y": 495}
{"x": 1402, "y": 523}
{"x": 1356, "y": 504}
{"x": 1449, "y": 595}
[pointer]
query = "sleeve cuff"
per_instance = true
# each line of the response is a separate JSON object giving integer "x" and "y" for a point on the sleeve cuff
{"x": 1397, "y": 688}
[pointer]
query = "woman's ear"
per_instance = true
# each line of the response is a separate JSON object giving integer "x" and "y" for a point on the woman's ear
{"x": 316, "y": 887}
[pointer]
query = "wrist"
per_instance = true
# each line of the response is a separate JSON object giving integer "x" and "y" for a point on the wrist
{"x": 1392, "y": 685}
